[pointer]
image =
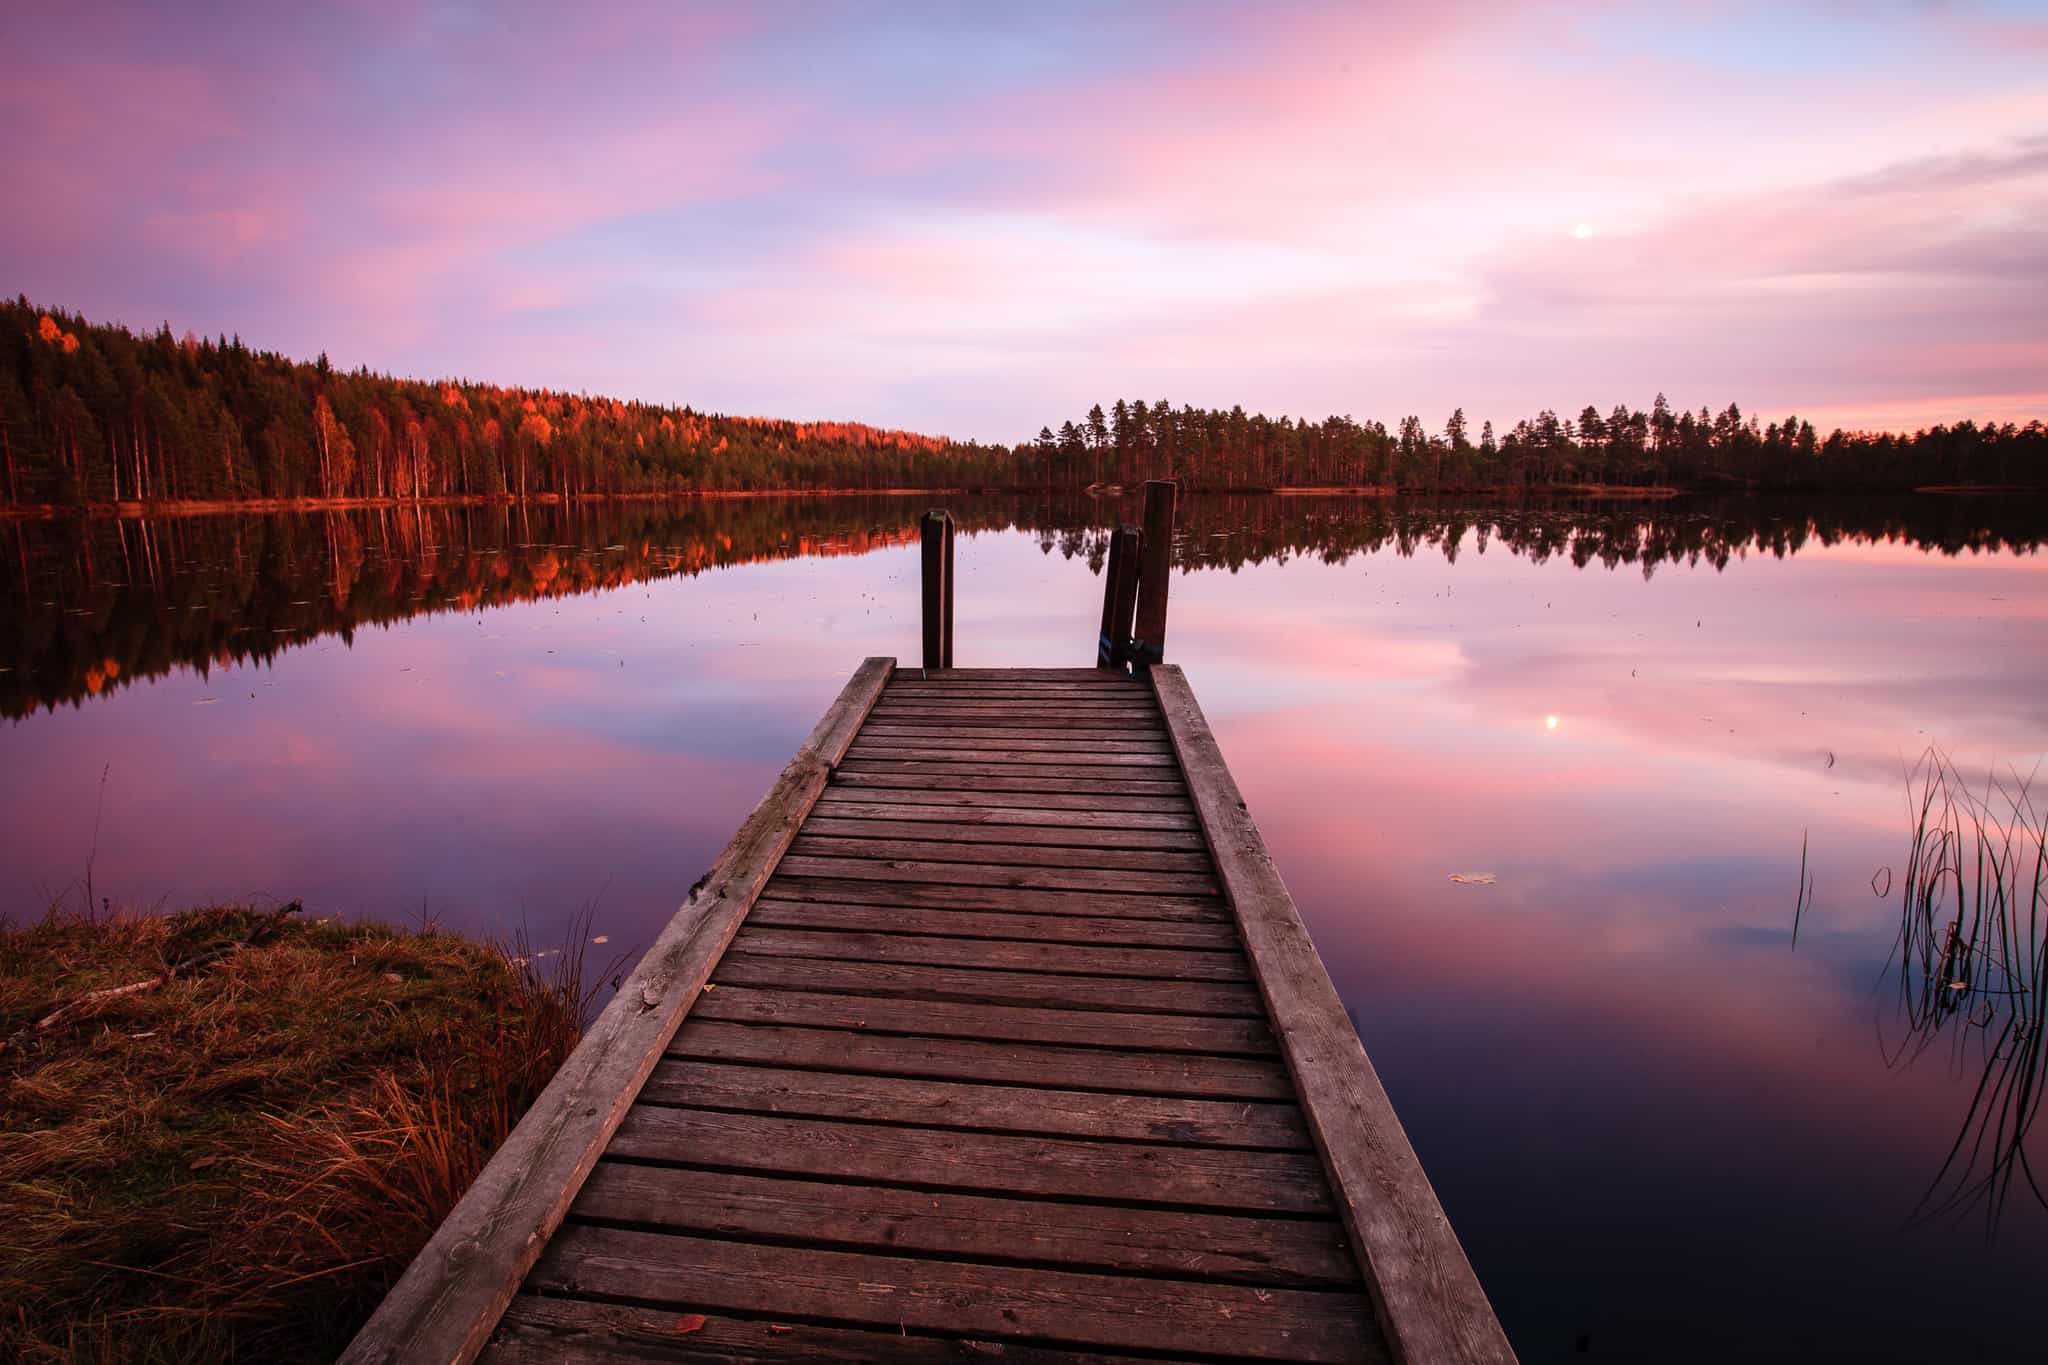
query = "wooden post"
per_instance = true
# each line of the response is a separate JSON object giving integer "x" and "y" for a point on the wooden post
{"x": 1155, "y": 573}
{"x": 1119, "y": 598}
{"x": 937, "y": 525}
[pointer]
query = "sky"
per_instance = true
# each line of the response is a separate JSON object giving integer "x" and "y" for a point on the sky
{"x": 977, "y": 220}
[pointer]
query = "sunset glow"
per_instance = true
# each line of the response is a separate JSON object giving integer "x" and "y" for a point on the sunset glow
{"x": 970, "y": 224}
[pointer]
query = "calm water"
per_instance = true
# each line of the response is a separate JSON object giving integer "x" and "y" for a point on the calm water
{"x": 1661, "y": 1131}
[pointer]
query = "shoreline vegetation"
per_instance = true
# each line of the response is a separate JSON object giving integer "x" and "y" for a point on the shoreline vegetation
{"x": 224, "y": 1132}
{"x": 94, "y": 415}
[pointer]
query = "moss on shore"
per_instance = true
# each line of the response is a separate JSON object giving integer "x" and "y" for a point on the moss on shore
{"x": 235, "y": 1161}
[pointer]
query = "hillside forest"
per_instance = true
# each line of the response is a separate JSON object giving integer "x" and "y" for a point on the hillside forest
{"x": 94, "y": 414}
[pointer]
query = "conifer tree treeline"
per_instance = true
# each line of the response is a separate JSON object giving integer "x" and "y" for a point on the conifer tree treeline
{"x": 96, "y": 414}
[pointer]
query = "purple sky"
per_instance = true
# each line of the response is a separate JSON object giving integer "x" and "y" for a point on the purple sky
{"x": 975, "y": 220}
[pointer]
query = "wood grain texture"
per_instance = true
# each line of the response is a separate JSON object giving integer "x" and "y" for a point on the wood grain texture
{"x": 1218, "y": 1178}
{"x": 994, "y": 954}
{"x": 960, "y": 1059}
{"x": 1067, "y": 755}
{"x": 1429, "y": 1302}
{"x": 1272, "y": 1251}
{"x": 986, "y": 874}
{"x": 994, "y": 1023}
{"x": 986, "y": 778}
{"x": 1098, "y": 932}
{"x": 551, "y": 1330}
{"x": 1022, "y": 901}
{"x": 444, "y": 1306}
{"x": 930, "y": 1103}
{"x": 868, "y": 824}
{"x": 900, "y": 1293}
{"x": 1059, "y": 801}
{"x": 1229, "y": 999}
{"x": 814, "y": 842}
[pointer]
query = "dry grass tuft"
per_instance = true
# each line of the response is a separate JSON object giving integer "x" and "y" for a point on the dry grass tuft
{"x": 237, "y": 1162}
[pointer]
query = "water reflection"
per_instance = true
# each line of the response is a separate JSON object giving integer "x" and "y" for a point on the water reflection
{"x": 92, "y": 606}
{"x": 1656, "y": 1130}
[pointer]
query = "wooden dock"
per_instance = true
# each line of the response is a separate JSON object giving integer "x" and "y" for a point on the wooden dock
{"x": 992, "y": 1034}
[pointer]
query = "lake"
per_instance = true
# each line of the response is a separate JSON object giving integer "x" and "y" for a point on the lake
{"x": 1662, "y": 1130}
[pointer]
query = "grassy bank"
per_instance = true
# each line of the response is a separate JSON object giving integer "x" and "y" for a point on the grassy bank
{"x": 223, "y": 1133}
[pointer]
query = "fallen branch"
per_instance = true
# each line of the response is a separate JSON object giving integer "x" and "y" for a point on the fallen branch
{"x": 70, "y": 1009}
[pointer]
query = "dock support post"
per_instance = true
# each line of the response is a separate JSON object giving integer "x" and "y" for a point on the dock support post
{"x": 937, "y": 526}
{"x": 1119, "y": 598}
{"x": 1155, "y": 574}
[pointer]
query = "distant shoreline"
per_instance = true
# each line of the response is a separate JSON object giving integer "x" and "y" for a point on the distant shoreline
{"x": 190, "y": 507}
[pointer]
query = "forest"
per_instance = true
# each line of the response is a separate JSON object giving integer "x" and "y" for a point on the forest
{"x": 94, "y": 415}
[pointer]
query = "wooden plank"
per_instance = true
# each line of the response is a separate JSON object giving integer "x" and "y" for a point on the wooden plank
{"x": 935, "y": 561}
{"x": 1429, "y": 1302}
{"x": 963, "y": 1059}
{"x": 858, "y": 823}
{"x": 553, "y": 1330}
{"x": 1109, "y": 708}
{"x": 1004, "y": 898}
{"x": 1037, "y": 855}
{"x": 443, "y": 1307}
{"x": 971, "y": 874}
{"x": 1218, "y": 1246}
{"x": 1155, "y": 572}
{"x": 1104, "y": 683}
{"x": 1135, "y": 739}
{"x": 1002, "y": 955}
{"x": 952, "y": 747}
{"x": 1027, "y": 758}
{"x": 1009, "y": 675}
{"x": 995, "y": 1023}
{"x": 1119, "y": 598}
{"x": 1138, "y": 995}
{"x": 901, "y": 1293}
{"x": 1060, "y": 723}
{"x": 998, "y": 809}
{"x": 889, "y": 919}
{"x": 961, "y": 777}
{"x": 931, "y": 1103}
{"x": 1221, "y": 1178}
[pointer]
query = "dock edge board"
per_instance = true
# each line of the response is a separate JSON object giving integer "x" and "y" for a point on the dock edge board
{"x": 447, "y": 1303}
{"x": 1428, "y": 1301}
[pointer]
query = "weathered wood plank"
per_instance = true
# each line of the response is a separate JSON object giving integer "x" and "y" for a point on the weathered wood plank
{"x": 444, "y": 1306}
{"x": 994, "y": 1023}
{"x": 1001, "y": 832}
{"x": 1429, "y": 1302}
{"x": 964, "y": 1059}
{"x": 553, "y": 1330}
{"x": 1069, "y": 806}
{"x": 968, "y": 985}
{"x": 1155, "y": 572}
{"x": 1222, "y": 1178}
{"x": 1006, "y": 955}
{"x": 1083, "y": 674}
{"x": 1008, "y": 710}
{"x": 899, "y": 1293}
{"x": 1129, "y": 689}
{"x": 972, "y": 874}
{"x": 1134, "y": 739}
{"x": 890, "y": 919}
{"x": 1220, "y": 1246}
{"x": 984, "y": 853}
{"x": 1150, "y": 741}
{"x": 933, "y": 1103}
{"x": 1004, "y": 898}
{"x": 1073, "y": 755}
{"x": 963, "y": 777}
{"x": 1027, "y": 724}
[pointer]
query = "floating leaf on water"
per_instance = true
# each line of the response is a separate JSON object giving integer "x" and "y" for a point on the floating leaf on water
{"x": 602, "y": 938}
{"x": 206, "y": 701}
{"x": 1473, "y": 878}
